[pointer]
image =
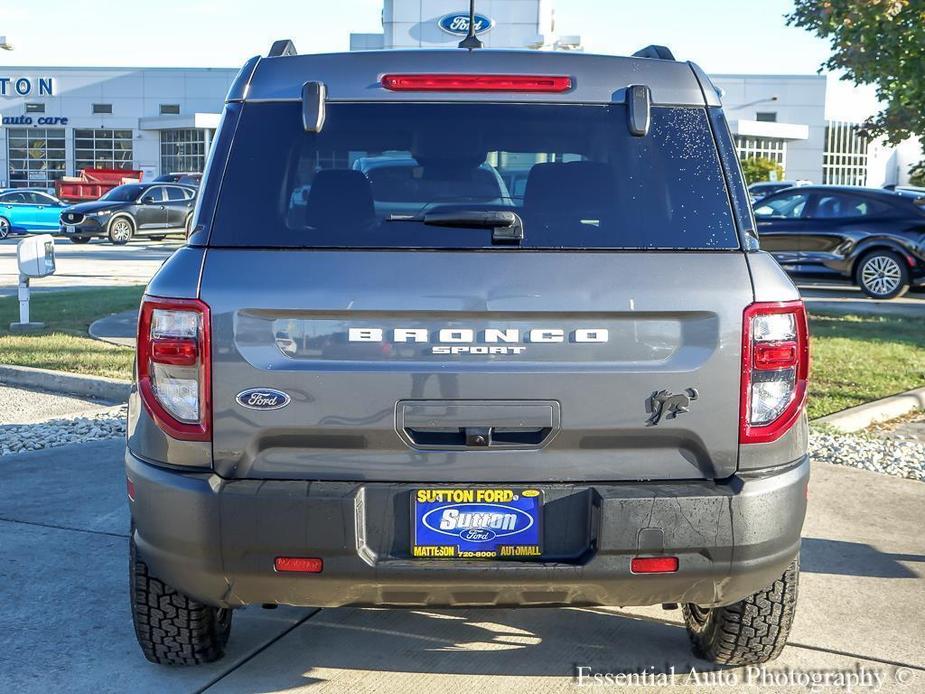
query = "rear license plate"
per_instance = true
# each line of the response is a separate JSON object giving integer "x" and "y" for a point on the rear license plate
{"x": 477, "y": 523}
{"x": 71, "y": 228}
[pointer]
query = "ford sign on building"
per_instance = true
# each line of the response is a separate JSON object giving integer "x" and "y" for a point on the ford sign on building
{"x": 458, "y": 23}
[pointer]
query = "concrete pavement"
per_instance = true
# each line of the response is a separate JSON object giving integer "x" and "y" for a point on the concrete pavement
{"x": 97, "y": 264}
{"x": 65, "y": 623}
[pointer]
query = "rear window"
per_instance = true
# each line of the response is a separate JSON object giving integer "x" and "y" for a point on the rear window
{"x": 572, "y": 173}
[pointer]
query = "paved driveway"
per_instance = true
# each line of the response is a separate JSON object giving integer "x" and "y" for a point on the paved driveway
{"x": 96, "y": 264}
{"x": 65, "y": 624}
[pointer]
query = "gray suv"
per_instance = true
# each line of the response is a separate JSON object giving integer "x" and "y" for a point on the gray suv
{"x": 412, "y": 393}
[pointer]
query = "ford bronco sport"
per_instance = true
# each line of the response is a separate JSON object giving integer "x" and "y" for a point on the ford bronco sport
{"x": 413, "y": 389}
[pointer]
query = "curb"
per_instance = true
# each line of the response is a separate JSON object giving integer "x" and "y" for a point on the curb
{"x": 97, "y": 387}
{"x": 860, "y": 417}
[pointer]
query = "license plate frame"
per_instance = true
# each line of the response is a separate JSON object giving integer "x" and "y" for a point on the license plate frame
{"x": 504, "y": 523}
{"x": 70, "y": 228}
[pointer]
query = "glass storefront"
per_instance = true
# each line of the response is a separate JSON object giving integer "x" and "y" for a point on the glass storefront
{"x": 35, "y": 157}
{"x": 102, "y": 149}
{"x": 183, "y": 149}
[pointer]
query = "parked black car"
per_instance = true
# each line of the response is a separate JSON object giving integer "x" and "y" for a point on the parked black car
{"x": 875, "y": 237}
{"x": 133, "y": 209}
{"x": 762, "y": 189}
{"x": 187, "y": 178}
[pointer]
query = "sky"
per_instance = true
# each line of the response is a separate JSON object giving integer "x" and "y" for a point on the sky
{"x": 722, "y": 36}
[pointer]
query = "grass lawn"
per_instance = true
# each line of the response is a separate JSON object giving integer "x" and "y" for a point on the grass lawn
{"x": 860, "y": 358}
{"x": 64, "y": 345}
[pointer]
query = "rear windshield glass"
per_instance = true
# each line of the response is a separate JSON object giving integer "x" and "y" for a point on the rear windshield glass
{"x": 573, "y": 175}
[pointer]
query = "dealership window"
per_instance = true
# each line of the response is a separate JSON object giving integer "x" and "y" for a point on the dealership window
{"x": 183, "y": 149}
{"x": 102, "y": 149}
{"x": 170, "y": 109}
{"x": 35, "y": 108}
{"x": 102, "y": 108}
{"x": 35, "y": 156}
{"x": 844, "y": 160}
{"x": 766, "y": 116}
{"x": 767, "y": 147}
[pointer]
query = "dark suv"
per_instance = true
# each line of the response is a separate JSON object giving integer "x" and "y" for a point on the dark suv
{"x": 134, "y": 209}
{"x": 417, "y": 392}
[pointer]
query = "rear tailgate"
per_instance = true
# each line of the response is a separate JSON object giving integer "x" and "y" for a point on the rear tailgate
{"x": 564, "y": 392}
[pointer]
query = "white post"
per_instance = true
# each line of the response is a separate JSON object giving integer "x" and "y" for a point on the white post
{"x": 23, "y": 299}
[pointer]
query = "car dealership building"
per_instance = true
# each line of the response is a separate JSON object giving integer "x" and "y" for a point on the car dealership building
{"x": 57, "y": 121}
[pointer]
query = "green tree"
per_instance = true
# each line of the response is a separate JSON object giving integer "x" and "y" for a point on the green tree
{"x": 879, "y": 42}
{"x": 757, "y": 169}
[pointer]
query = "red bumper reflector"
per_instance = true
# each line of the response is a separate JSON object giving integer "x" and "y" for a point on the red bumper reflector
{"x": 477, "y": 83}
{"x": 305, "y": 565}
{"x": 654, "y": 565}
{"x": 130, "y": 488}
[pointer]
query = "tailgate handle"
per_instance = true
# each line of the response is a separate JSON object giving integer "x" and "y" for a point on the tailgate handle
{"x": 458, "y": 424}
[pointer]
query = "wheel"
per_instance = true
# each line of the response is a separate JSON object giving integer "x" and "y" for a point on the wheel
{"x": 159, "y": 237}
{"x": 749, "y": 632}
{"x": 882, "y": 275}
{"x": 172, "y": 628}
{"x": 79, "y": 239}
{"x": 4, "y": 227}
{"x": 121, "y": 230}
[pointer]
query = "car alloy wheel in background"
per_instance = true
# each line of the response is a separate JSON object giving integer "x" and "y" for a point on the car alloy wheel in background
{"x": 120, "y": 230}
{"x": 882, "y": 275}
{"x": 4, "y": 228}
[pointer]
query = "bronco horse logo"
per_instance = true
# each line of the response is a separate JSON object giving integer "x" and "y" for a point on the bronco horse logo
{"x": 662, "y": 403}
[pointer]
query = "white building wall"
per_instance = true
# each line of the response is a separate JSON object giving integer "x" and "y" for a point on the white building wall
{"x": 800, "y": 100}
{"x": 134, "y": 93}
{"x": 413, "y": 24}
{"x": 890, "y": 165}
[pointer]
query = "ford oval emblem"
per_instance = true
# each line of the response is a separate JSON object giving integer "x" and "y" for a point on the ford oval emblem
{"x": 457, "y": 23}
{"x": 262, "y": 399}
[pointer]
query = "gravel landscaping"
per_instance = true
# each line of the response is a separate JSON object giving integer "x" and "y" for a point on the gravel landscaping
{"x": 103, "y": 423}
{"x": 901, "y": 457}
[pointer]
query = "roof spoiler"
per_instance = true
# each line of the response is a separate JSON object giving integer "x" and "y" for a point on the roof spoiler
{"x": 654, "y": 51}
{"x": 283, "y": 47}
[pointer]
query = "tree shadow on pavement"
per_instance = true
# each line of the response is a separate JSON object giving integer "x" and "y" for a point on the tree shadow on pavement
{"x": 824, "y": 556}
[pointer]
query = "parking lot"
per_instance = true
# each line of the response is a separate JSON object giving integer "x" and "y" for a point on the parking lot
{"x": 97, "y": 264}
{"x": 63, "y": 530}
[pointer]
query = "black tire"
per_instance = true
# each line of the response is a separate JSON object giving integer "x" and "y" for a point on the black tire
{"x": 882, "y": 274}
{"x": 4, "y": 228}
{"x": 172, "y": 628}
{"x": 121, "y": 230}
{"x": 749, "y": 632}
{"x": 79, "y": 239}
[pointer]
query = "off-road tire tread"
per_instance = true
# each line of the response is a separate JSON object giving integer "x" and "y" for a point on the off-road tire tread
{"x": 172, "y": 628}
{"x": 751, "y": 631}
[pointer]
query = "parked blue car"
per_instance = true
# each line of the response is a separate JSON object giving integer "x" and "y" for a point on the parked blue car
{"x": 25, "y": 211}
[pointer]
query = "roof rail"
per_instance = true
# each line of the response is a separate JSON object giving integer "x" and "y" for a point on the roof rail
{"x": 281, "y": 48}
{"x": 654, "y": 51}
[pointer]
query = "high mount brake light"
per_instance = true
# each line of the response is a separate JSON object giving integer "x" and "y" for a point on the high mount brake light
{"x": 775, "y": 369}
{"x": 476, "y": 83}
{"x": 174, "y": 371}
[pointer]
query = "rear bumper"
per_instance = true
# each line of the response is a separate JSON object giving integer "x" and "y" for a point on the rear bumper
{"x": 216, "y": 540}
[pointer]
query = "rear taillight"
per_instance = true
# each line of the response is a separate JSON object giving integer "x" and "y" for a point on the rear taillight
{"x": 174, "y": 366}
{"x": 775, "y": 366}
{"x": 476, "y": 83}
